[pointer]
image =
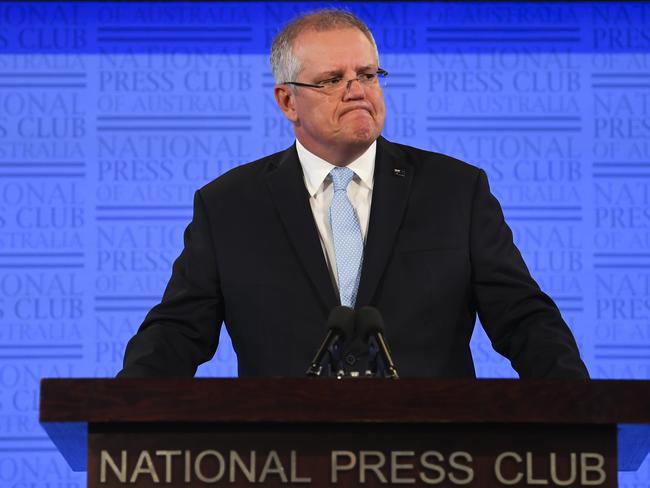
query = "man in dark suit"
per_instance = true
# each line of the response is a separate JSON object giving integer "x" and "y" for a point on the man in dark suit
{"x": 346, "y": 217}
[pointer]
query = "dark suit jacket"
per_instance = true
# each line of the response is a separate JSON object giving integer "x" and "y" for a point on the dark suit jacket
{"x": 437, "y": 252}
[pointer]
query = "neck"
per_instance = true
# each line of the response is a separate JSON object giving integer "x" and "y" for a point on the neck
{"x": 336, "y": 156}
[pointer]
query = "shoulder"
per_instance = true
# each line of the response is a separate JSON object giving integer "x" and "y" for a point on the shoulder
{"x": 244, "y": 178}
{"x": 431, "y": 165}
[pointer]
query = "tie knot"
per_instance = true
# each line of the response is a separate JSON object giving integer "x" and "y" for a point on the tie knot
{"x": 341, "y": 177}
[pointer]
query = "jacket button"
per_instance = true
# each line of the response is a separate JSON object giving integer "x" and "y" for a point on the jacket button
{"x": 350, "y": 359}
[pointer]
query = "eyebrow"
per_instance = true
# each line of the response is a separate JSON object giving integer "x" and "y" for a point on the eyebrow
{"x": 325, "y": 74}
{"x": 338, "y": 72}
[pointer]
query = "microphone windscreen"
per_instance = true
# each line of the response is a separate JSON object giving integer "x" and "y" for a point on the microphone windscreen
{"x": 341, "y": 320}
{"x": 369, "y": 322}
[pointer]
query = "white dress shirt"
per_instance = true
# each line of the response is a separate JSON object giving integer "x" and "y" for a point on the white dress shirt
{"x": 319, "y": 185}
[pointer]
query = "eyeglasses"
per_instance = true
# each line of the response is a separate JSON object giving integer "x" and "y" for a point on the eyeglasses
{"x": 336, "y": 84}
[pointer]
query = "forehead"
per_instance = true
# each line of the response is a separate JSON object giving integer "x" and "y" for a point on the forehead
{"x": 333, "y": 49}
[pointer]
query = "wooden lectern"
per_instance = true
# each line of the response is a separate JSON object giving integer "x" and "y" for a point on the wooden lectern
{"x": 327, "y": 432}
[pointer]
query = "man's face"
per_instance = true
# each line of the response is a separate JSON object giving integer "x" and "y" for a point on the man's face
{"x": 344, "y": 122}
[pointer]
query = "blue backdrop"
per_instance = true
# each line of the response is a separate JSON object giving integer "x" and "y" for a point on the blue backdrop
{"x": 113, "y": 114}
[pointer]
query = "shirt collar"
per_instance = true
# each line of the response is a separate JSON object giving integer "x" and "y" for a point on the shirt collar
{"x": 316, "y": 169}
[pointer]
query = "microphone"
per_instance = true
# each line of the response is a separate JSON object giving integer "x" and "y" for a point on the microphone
{"x": 340, "y": 324}
{"x": 371, "y": 325}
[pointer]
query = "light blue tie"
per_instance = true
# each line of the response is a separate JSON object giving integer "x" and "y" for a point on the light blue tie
{"x": 348, "y": 242}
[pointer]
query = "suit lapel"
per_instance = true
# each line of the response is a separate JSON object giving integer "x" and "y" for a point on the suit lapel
{"x": 390, "y": 194}
{"x": 290, "y": 197}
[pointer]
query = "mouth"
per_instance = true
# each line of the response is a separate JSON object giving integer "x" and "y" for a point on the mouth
{"x": 356, "y": 109}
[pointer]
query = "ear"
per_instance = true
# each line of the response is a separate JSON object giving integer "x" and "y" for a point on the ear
{"x": 286, "y": 100}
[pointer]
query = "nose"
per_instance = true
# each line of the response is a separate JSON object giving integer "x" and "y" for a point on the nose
{"x": 354, "y": 89}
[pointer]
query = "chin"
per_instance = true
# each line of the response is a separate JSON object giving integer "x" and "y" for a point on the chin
{"x": 363, "y": 133}
{"x": 365, "y": 136}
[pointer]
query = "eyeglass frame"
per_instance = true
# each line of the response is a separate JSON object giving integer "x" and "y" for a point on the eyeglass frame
{"x": 380, "y": 74}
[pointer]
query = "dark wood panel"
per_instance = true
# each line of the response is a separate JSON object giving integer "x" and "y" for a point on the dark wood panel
{"x": 330, "y": 400}
{"x": 371, "y": 455}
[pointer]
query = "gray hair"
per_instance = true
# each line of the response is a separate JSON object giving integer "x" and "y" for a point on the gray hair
{"x": 284, "y": 64}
